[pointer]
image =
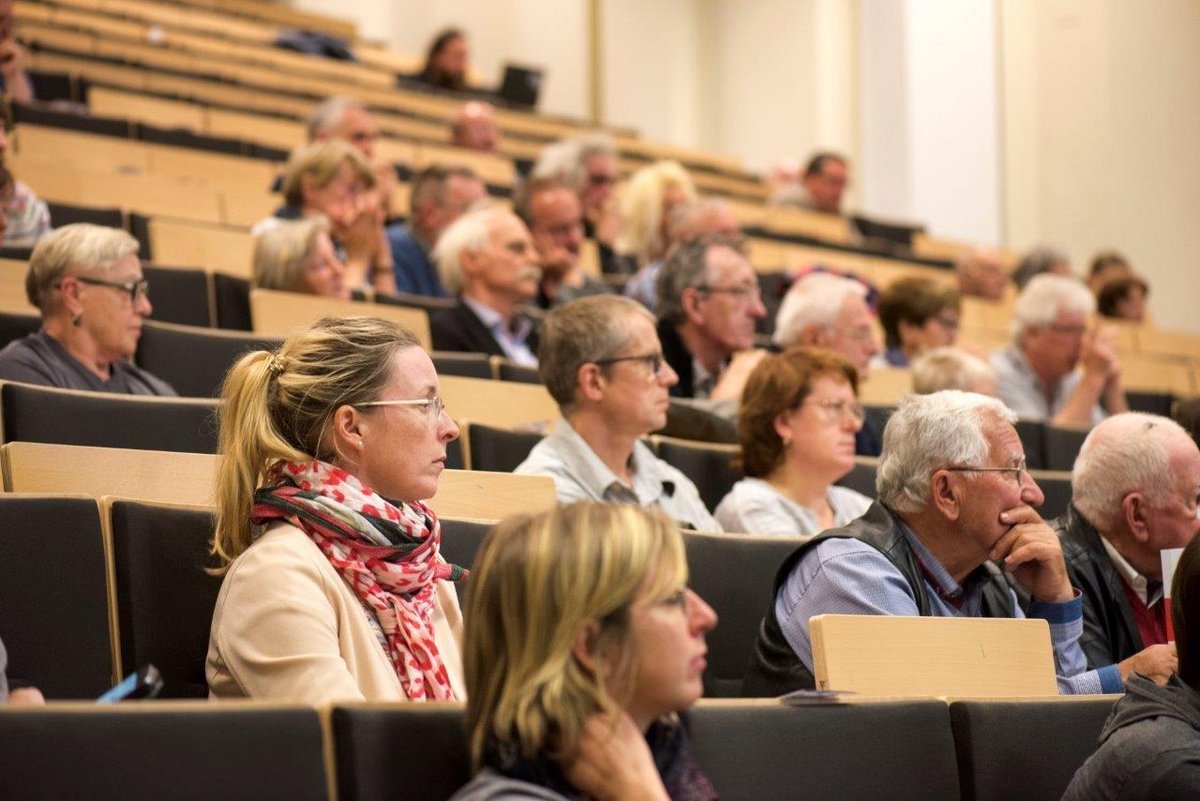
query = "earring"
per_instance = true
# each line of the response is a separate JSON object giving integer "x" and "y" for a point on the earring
{"x": 360, "y": 442}
{"x": 77, "y": 320}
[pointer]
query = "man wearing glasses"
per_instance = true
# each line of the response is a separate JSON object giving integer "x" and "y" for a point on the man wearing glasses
{"x": 954, "y": 529}
{"x": 601, "y": 361}
{"x": 87, "y": 282}
{"x": 708, "y": 304}
{"x": 1057, "y": 370}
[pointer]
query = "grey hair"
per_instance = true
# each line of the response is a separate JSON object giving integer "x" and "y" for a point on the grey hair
{"x": 470, "y": 232}
{"x": 949, "y": 368}
{"x": 929, "y": 432}
{"x": 1037, "y": 261}
{"x": 567, "y": 158}
{"x": 1126, "y": 453}
{"x": 686, "y": 266}
{"x": 1044, "y": 297}
{"x": 816, "y": 299}
{"x": 281, "y": 252}
{"x": 585, "y": 330}
{"x": 71, "y": 250}
{"x": 328, "y": 114}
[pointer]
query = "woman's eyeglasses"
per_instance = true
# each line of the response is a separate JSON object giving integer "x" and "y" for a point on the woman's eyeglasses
{"x": 136, "y": 289}
{"x": 835, "y": 411}
{"x": 433, "y": 407}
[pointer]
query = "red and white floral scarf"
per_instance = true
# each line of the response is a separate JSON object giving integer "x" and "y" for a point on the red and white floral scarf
{"x": 387, "y": 553}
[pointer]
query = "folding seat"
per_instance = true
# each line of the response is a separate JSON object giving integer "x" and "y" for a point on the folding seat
{"x": 195, "y": 360}
{"x": 498, "y": 449}
{"x": 179, "y": 295}
{"x": 708, "y": 465}
{"x": 65, "y": 214}
{"x": 1062, "y": 446}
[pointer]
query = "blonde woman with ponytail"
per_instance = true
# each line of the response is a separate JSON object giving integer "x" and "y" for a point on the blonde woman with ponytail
{"x": 334, "y": 588}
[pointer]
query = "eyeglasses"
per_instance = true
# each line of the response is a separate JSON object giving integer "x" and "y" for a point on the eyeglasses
{"x": 433, "y": 406}
{"x": 742, "y": 292}
{"x": 1016, "y": 470}
{"x": 136, "y": 289}
{"x": 652, "y": 360}
{"x": 599, "y": 179}
{"x": 835, "y": 411}
{"x": 947, "y": 322}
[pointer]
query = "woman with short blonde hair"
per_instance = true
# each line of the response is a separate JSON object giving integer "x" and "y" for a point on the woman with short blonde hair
{"x": 582, "y": 642}
{"x": 646, "y": 203}
{"x": 299, "y": 257}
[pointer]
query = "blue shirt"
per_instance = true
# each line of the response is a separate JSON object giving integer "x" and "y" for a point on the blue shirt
{"x": 850, "y": 577}
{"x": 415, "y": 273}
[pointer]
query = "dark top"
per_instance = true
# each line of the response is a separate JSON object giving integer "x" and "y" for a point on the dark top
{"x": 1149, "y": 748}
{"x": 40, "y": 359}
{"x": 566, "y": 294}
{"x": 1110, "y": 633}
{"x": 676, "y": 354}
{"x": 415, "y": 273}
{"x": 459, "y": 330}
{"x": 868, "y": 442}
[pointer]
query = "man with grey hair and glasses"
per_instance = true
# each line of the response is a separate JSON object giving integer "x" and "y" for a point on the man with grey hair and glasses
{"x": 1135, "y": 491}
{"x": 1057, "y": 370}
{"x": 954, "y": 528}
{"x": 601, "y": 361}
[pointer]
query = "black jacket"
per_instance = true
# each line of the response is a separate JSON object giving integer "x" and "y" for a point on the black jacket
{"x": 774, "y": 667}
{"x": 1110, "y": 632}
{"x": 459, "y": 330}
{"x": 679, "y": 357}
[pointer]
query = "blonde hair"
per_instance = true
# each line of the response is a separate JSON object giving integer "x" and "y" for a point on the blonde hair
{"x": 281, "y": 253}
{"x": 72, "y": 249}
{"x": 321, "y": 162}
{"x": 537, "y": 582}
{"x": 950, "y": 368}
{"x": 277, "y": 407}
{"x": 641, "y": 208}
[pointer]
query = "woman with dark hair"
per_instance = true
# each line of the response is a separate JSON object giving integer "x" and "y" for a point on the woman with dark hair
{"x": 447, "y": 60}
{"x": 797, "y": 423}
{"x": 582, "y": 644}
{"x": 334, "y": 586}
{"x": 917, "y": 315}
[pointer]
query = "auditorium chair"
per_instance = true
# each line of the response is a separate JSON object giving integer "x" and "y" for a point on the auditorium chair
{"x": 178, "y": 295}
{"x": 1033, "y": 439}
{"x": 163, "y": 593}
{"x": 507, "y": 371}
{"x": 1150, "y": 402}
{"x": 498, "y": 449}
{"x": 195, "y": 360}
{"x": 1056, "y": 486}
{"x": 1062, "y": 446}
{"x": 735, "y": 575}
{"x": 14, "y": 325}
{"x": 687, "y": 421}
{"x": 231, "y": 294}
{"x": 69, "y": 417}
{"x": 861, "y": 477}
{"x": 1024, "y": 749}
{"x": 487, "y": 496}
{"x": 707, "y": 464}
{"x": 148, "y": 752}
{"x": 468, "y": 365}
{"x": 53, "y": 597}
{"x": 66, "y": 214}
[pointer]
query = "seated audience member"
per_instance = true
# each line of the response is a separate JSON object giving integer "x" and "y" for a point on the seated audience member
{"x": 588, "y": 165}
{"x": 1134, "y": 492}
{"x": 487, "y": 259}
{"x": 440, "y": 195}
{"x": 796, "y": 423}
{"x": 1123, "y": 299}
{"x": 917, "y": 314}
{"x": 953, "y": 494}
{"x": 708, "y": 302}
{"x": 349, "y": 120}
{"x": 691, "y": 220}
{"x": 21, "y": 696}
{"x": 334, "y": 588}
{"x": 297, "y": 256}
{"x": 331, "y": 178}
{"x": 1150, "y": 745}
{"x": 830, "y": 311}
{"x": 27, "y": 219}
{"x": 1039, "y": 260}
{"x": 552, "y": 213}
{"x": 475, "y": 128}
{"x": 981, "y": 274}
{"x": 87, "y": 283}
{"x": 582, "y": 643}
{"x": 601, "y": 361}
{"x": 446, "y": 61}
{"x": 1057, "y": 370}
{"x": 952, "y": 368}
{"x": 645, "y": 208}
{"x": 1107, "y": 265}
{"x": 821, "y": 187}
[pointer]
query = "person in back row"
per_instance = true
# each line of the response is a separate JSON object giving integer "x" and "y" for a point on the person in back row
{"x": 298, "y": 256}
{"x": 555, "y": 219}
{"x": 87, "y": 282}
{"x": 602, "y": 363}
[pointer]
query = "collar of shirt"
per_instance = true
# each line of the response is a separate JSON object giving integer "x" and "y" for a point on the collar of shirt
{"x": 1134, "y": 579}
{"x": 602, "y": 482}
{"x": 965, "y": 597}
{"x": 510, "y": 336}
{"x": 703, "y": 382}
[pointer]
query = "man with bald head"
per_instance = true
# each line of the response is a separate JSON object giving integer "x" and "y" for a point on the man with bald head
{"x": 475, "y": 127}
{"x": 487, "y": 259}
{"x": 1135, "y": 490}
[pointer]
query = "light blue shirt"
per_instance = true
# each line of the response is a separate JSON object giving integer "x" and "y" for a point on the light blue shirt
{"x": 512, "y": 342}
{"x": 753, "y": 506}
{"x": 1022, "y": 391}
{"x": 849, "y": 577}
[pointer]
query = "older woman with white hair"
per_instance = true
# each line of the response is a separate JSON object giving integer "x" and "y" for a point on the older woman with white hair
{"x": 1057, "y": 370}
{"x": 87, "y": 282}
{"x": 298, "y": 256}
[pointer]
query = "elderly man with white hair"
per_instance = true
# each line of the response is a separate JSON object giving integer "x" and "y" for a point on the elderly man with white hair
{"x": 955, "y": 519}
{"x": 1057, "y": 370}
{"x": 1135, "y": 490}
{"x": 487, "y": 259}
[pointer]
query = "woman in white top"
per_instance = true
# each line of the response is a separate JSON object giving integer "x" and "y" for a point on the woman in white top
{"x": 334, "y": 586}
{"x": 797, "y": 422}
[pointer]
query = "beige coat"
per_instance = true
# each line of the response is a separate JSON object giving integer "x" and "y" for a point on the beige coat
{"x": 287, "y": 627}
